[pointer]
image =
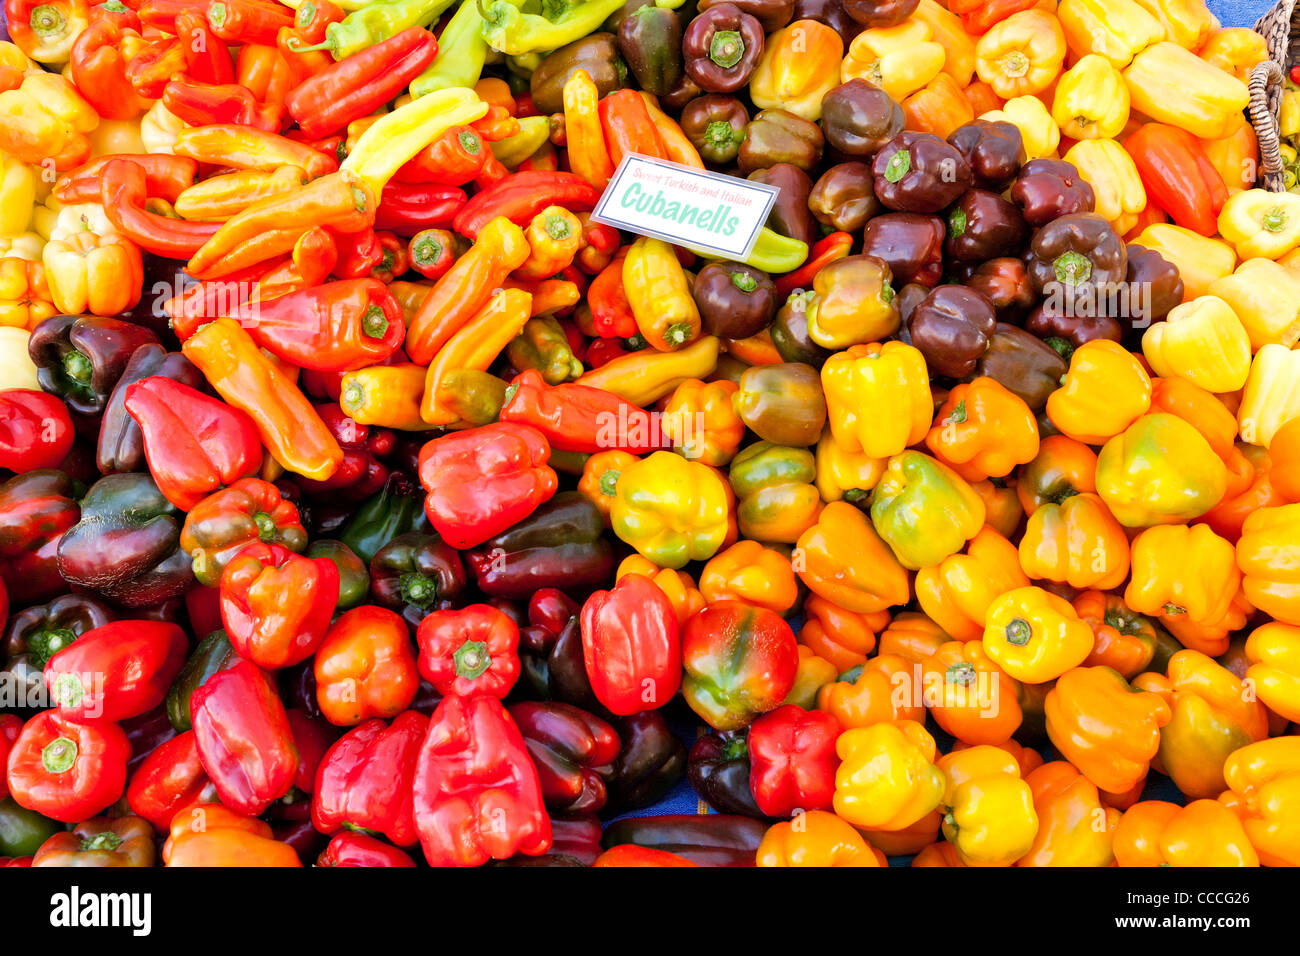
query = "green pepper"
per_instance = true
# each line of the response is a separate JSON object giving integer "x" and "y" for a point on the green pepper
{"x": 568, "y": 462}
{"x": 508, "y": 29}
{"x": 597, "y": 54}
{"x": 543, "y": 346}
{"x": 473, "y": 396}
{"x": 375, "y": 22}
{"x": 212, "y": 655}
{"x": 534, "y": 131}
{"x": 395, "y": 510}
{"x": 22, "y": 831}
{"x": 560, "y": 545}
{"x": 650, "y": 39}
{"x": 924, "y": 510}
{"x": 776, "y": 500}
{"x": 354, "y": 577}
{"x": 461, "y": 53}
{"x": 772, "y": 252}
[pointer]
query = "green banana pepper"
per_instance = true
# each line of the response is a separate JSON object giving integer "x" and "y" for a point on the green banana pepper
{"x": 375, "y": 23}
{"x": 543, "y": 346}
{"x": 534, "y": 131}
{"x": 461, "y": 53}
{"x": 507, "y": 28}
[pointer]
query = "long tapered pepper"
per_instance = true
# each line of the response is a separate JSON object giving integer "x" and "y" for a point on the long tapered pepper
{"x": 578, "y": 418}
{"x": 522, "y": 196}
{"x": 462, "y": 54}
{"x": 588, "y": 154}
{"x": 247, "y": 148}
{"x": 207, "y": 58}
{"x": 201, "y": 104}
{"x": 123, "y": 192}
{"x": 1178, "y": 176}
{"x": 165, "y": 176}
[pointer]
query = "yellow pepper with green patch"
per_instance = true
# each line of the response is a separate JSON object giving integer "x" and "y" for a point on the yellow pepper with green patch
{"x": 671, "y": 510}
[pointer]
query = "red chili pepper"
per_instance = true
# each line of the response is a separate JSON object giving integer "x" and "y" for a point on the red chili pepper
{"x": 194, "y": 444}
{"x": 170, "y": 779}
{"x": 364, "y": 781}
{"x": 482, "y": 481}
{"x": 66, "y": 770}
{"x": 477, "y": 793}
{"x": 408, "y": 208}
{"x": 630, "y": 646}
{"x": 243, "y": 738}
{"x": 123, "y": 192}
{"x": 358, "y": 85}
{"x": 248, "y": 21}
{"x": 166, "y": 177}
{"x": 358, "y": 849}
{"x": 431, "y": 252}
{"x": 35, "y": 430}
{"x": 611, "y": 312}
{"x": 210, "y": 104}
{"x": 207, "y": 58}
{"x": 276, "y": 605}
{"x": 120, "y": 670}
{"x": 312, "y": 18}
{"x": 580, "y": 418}
{"x": 826, "y": 250}
{"x": 522, "y": 196}
{"x": 792, "y": 760}
{"x": 600, "y": 243}
{"x": 470, "y": 650}
{"x": 456, "y": 157}
{"x": 1179, "y": 176}
{"x": 493, "y": 172}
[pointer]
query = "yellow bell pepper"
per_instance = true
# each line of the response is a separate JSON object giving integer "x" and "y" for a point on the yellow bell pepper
{"x": 1091, "y": 101}
{"x": 1203, "y": 342}
{"x": 842, "y": 474}
{"x": 160, "y": 128}
{"x": 25, "y": 299}
{"x": 1204, "y": 833}
{"x": 1160, "y": 470}
{"x": 947, "y": 30}
{"x": 1272, "y": 394}
{"x": 878, "y": 397}
{"x": 899, "y": 60}
{"x": 17, "y": 370}
{"x": 1201, "y": 260}
{"x": 797, "y": 69}
{"x": 17, "y": 195}
{"x": 1077, "y": 542}
{"x": 101, "y": 275}
{"x": 1172, "y": 85}
{"x": 673, "y": 511}
{"x": 1074, "y": 827}
{"x": 749, "y": 572}
{"x": 1021, "y": 55}
{"x": 989, "y": 813}
{"x": 1261, "y": 224}
{"x": 1188, "y": 23}
{"x": 1265, "y": 297}
{"x": 1213, "y": 713}
{"x": 1273, "y": 650}
{"x": 26, "y": 246}
{"x": 956, "y": 592}
{"x": 1115, "y": 29}
{"x": 1268, "y": 554}
{"x": 1183, "y": 571}
{"x": 1264, "y": 792}
{"x": 887, "y": 779}
{"x": 659, "y": 295}
{"x": 814, "y": 838}
{"x": 1035, "y": 636}
{"x": 1105, "y": 390}
{"x": 1028, "y": 114}
{"x": 1235, "y": 50}
{"x": 388, "y": 396}
{"x": 1106, "y": 166}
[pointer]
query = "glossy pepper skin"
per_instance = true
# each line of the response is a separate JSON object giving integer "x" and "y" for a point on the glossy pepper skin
{"x": 121, "y": 443}
{"x": 953, "y": 327}
{"x": 919, "y": 172}
{"x": 65, "y": 769}
{"x": 1035, "y": 636}
{"x": 276, "y": 605}
{"x": 630, "y": 646}
{"x": 1022, "y": 363}
{"x": 721, "y": 47}
{"x": 848, "y": 563}
{"x": 578, "y": 418}
{"x": 782, "y": 403}
{"x": 1262, "y": 779}
{"x": 1131, "y": 466}
{"x": 1104, "y": 391}
{"x": 1271, "y": 650}
{"x": 718, "y": 770}
{"x": 989, "y": 814}
{"x": 1077, "y": 542}
{"x": 776, "y": 498}
{"x": 983, "y": 431}
{"x": 364, "y": 780}
{"x": 739, "y": 662}
{"x": 650, "y": 761}
{"x": 878, "y": 398}
{"x": 1202, "y": 833}
{"x": 793, "y": 761}
{"x": 469, "y": 651}
{"x": 80, "y": 358}
{"x": 670, "y": 509}
{"x": 127, "y": 545}
{"x": 957, "y": 591}
{"x": 1199, "y": 586}
{"x": 222, "y": 524}
{"x": 100, "y": 842}
{"x": 911, "y": 479}
{"x": 822, "y": 839}
{"x": 574, "y": 752}
{"x": 357, "y": 849}
{"x": 477, "y": 794}
{"x": 887, "y": 779}
{"x": 482, "y": 481}
{"x": 35, "y": 430}
{"x": 170, "y": 779}
{"x": 364, "y": 667}
{"x": 969, "y": 695}
{"x": 415, "y": 573}
{"x": 116, "y": 671}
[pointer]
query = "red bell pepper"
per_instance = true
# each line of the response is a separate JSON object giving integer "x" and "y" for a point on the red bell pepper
{"x": 611, "y": 312}
{"x": 194, "y": 444}
{"x": 10, "y": 727}
{"x": 630, "y": 646}
{"x": 408, "y": 208}
{"x": 580, "y": 418}
{"x": 365, "y": 667}
{"x": 336, "y": 327}
{"x": 170, "y": 778}
{"x": 35, "y": 509}
{"x": 980, "y": 16}
{"x": 365, "y": 780}
{"x": 248, "y": 21}
{"x": 1178, "y": 176}
{"x": 482, "y": 481}
{"x": 200, "y": 103}
{"x": 313, "y": 736}
{"x": 362, "y": 472}
{"x": 574, "y": 753}
{"x": 165, "y": 177}
{"x": 468, "y": 651}
{"x": 223, "y": 523}
{"x": 477, "y": 794}
{"x": 35, "y": 430}
{"x": 98, "y": 68}
{"x": 792, "y": 760}
{"x": 358, "y": 85}
{"x": 243, "y": 738}
{"x": 522, "y": 196}
{"x": 117, "y": 12}
{"x": 276, "y": 605}
{"x": 207, "y": 58}
{"x": 66, "y": 770}
{"x": 358, "y": 849}
{"x": 116, "y": 671}
{"x": 431, "y": 252}
{"x": 740, "y": 662}
{"x": 455, "y": 158}
{"x": 123, "y": 192}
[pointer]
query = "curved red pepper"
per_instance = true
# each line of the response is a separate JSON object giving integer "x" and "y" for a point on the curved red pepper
{"x": 792, "y": 760}
{"x": 35, "y": 430}
{"x": 630, "y": 646}
{"x": 581, "y": 418}
{"x": 611, "y": 312}
{"x": 243, "y": 738}
{"x": 165, "y": 176}
{"x": 201, "y": 103}
{"x": 521, "y": 196}
{"x": 364, "y": 780}
{"x": 66, "y": 770}
{"x": 1178, "y": 176}
{"x": 194, "y": 444}
{"x": 276, "y": 605}
{"x": 357, "y": 849}
{"x": 170, "y": 779}
{"x": 123, "y": 190}
{"x": 470, "y": 650}
{"x": 120, "y": 670}
{"x": 482, "y": 481}
{"x": 477, "y": 793}
{"x": 826, "y": 250}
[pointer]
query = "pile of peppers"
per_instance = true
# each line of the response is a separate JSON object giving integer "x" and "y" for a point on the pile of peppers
{"x": 369, "y": 503}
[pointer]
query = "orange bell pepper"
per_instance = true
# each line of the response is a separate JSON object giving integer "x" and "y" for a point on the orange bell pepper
{"x": 25, "y": 298}
{"x": 1264, "y": 792}
{"x": 983, "y": 430}
{"x": 1077, "y": 542}
{"x": 1104, "y": 392}
{"x": 957, "y": 592}
{"x": 815, "y": 838}
{"x": 1229, "y": 515}
{"x": 1035, "y": 636}
{"x": 1269, "y": 557}
{"x": 843, "y": 637}
{"x": 886, "y": 688}
{"x": 1285, "y": 453}
{"x": 843, "y": 559}
{"x": 1122, "y": 640}
{"x": 211, "y": 835}
{"x": 1273, "y": 650}
{"x": 677, "y": 585}
{"x": 1074, "y": 827}
{"x": 1182, "y": 571}
{"x": 969, "y": 696}
{"x": 1203, "y": 833}
{"x": 747, "y": 571}
{"x": 938, "y": 108}
{"x": 909, "y": 840}
{"x": 702, "y": 423}
{"x": 913, "y": 637}
{"x": 1002, "y": 509}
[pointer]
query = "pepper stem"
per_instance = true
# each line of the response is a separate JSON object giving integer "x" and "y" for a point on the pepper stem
{"x": 609, "y": 482}
{"x": 374, "y": 323}
{"x": 352, "y": 396}
{"x": 59, "y": 755}
{"x": 47, "y": 21}
{"x": 265, "y": 526}
{"x": 108, "y": 840}
{"x": 726, "y": 48}
{"x": 78, "y": 367}
{"x": 418, "y": 589}
{"x": 678, "y": 334}
{"x": 472, "y": 659}
{"x": 1019, "y": 632}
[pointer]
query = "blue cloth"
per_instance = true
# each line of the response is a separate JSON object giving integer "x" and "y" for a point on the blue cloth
{"x": 1239, "y": 13}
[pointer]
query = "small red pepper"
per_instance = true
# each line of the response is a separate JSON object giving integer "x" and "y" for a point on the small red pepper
{"x": 67, "y": 770}
{"x": 408, "y": 208}
{"x": 431, "y": 252}
{"x": 362, "y": 472}
{"x": 120, "y": 670}
{"x": 630, "y": 646}
{"x": 35, "y": 430}
{"x": 276, "y": 605}
{"x": 522, "y": 196}
{"x": 123, "y": 192}
{"x": 792, "y": 760}
{"x": 170, "y": 779}
{"x": 248, "y": 21}
{"x": 611, "y": 312}
{"x": 580, "y": 418}
{"x": 358, "y": 849}
{"x": 455, "y": 158}
{"x": 826, "y": 250}
{"x": 470, "y": 650}
{"x": 208, "y": 104}
{"x": 394, "y": 262}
